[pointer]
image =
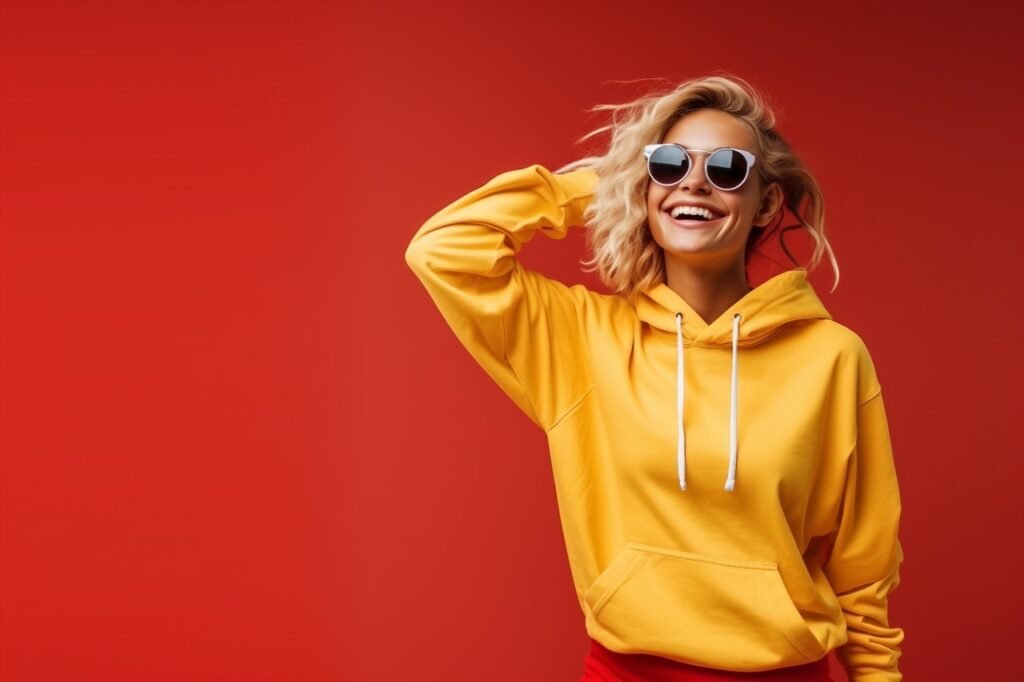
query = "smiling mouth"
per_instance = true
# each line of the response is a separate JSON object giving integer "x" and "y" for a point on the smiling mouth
{"x": 690, "y": 221}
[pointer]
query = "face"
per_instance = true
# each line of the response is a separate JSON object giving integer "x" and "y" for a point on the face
{"x": 723, "y": 239}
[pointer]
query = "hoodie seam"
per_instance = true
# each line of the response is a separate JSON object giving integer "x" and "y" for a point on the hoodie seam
{"x": 538, "y": 417}
{"x": 571, "y": 408}
{"x": 743, "y": 343}
{"x": 874, "y": 395}
{"x": 522, "y": 385}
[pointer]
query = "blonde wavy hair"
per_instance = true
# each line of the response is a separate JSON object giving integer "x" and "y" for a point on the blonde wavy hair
{"x": 625, "y": 255}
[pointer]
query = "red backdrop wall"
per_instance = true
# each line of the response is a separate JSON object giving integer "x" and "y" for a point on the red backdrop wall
{"x": 239, "y": 443}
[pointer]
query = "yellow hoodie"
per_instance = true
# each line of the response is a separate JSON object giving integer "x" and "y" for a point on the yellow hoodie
{"x": 727, "y": 490}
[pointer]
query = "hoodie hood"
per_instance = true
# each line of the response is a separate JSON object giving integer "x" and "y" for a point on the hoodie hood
{"x": 784, "y": 298}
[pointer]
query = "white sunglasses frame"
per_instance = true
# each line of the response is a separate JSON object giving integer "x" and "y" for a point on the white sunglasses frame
{"x": 650, "y": 149}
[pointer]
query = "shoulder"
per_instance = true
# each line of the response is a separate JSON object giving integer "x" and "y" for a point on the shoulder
{"x": 601, "y": 316}
{"x": 598, "y": 300}
{"x": 852, "y": 356}
{"x": 593, "y": 310}
{"x": 844, "y": 338}
{"x": 588, "y": 302}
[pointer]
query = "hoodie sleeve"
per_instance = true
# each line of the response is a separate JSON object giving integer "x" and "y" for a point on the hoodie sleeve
{"x": 863, "y": 567}
{"x": 523, "y": 328}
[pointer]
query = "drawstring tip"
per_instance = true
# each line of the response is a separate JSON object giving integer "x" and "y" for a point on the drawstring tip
{"x": 730, "y": 484}
{"x": 682, "y": 485}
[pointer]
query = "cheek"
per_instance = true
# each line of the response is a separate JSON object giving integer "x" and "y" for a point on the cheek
{"x": 655, "y": 196}
{"x": 653, "y": 209}
{"x": 745, "y": 203}
{"x": 736, "y": 207}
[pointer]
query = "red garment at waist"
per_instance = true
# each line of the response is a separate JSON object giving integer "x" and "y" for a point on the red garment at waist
{"x": 605, "y": 665}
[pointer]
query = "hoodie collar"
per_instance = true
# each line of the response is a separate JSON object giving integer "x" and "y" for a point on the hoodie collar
{"x": 786, "y": 297}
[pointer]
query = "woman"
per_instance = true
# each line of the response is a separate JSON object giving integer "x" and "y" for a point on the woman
{"x": 721, "y": 455}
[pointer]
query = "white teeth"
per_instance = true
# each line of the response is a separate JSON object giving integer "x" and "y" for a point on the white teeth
{"x": 691, "y": 210}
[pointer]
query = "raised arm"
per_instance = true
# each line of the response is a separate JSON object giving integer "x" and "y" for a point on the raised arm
{"x": 523, "y": 328}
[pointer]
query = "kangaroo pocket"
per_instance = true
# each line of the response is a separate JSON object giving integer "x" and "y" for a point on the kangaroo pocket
{"x": 721, "y": 613}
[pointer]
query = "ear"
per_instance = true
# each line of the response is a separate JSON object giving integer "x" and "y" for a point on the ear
{"x": 771, "y": 202}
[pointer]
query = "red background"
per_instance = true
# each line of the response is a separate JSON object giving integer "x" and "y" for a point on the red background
{"x": 239, "y": 443}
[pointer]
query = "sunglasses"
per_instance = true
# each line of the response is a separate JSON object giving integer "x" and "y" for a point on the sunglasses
{"x": 726, "y": 168}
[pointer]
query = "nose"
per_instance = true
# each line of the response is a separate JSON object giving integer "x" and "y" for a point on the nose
{"x": 695, "y": 180}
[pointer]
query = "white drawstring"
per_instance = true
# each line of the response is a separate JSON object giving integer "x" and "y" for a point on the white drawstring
{"x": 680, "y": 431}
{"x": 730, "y": 481}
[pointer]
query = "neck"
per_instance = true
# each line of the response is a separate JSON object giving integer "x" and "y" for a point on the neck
{"x": 709, "y": 289}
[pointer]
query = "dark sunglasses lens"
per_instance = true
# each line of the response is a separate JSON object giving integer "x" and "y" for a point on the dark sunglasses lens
{"x": 668, "y": 165}
{"x": 727, "y": 168}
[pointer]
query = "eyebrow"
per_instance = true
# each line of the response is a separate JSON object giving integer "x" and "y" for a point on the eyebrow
{"x": 721, "y": 146}
{"x": 713, "y": 149}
